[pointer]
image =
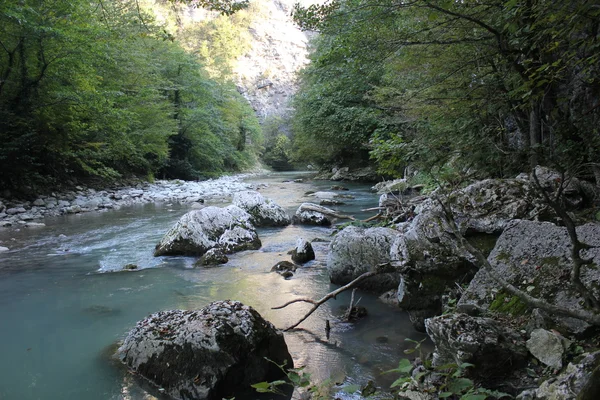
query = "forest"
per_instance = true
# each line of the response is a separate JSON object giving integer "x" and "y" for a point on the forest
{"x": 454, "y": 87}
{"x": 105, "y": 90}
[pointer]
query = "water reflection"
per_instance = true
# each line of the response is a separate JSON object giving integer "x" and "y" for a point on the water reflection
{"x": 61, "y": 311}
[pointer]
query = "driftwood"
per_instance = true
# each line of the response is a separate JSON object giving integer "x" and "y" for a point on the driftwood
{"x": 380, "y": 269}
{"x": 308, "y": 207}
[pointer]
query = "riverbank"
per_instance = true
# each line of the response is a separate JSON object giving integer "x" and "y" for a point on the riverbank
{"x": 16, "y": 213}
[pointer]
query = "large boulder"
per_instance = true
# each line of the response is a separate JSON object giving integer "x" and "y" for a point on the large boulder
{"x": 355, "y": 251}
{"x": 487, "y": 206}
{"x": 493, "y": 348}
{"x": 433, "y": 262}
{"x": 312, "y": 214}
{"x": 535, "y": 257}
{"x": 200, "y": 230}
{"x": 213, "y": 353}
{"x": 263, "y": 211}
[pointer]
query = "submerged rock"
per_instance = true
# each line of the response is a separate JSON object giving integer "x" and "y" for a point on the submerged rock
{"x": 535, "y": 257}
{"x": 212, "y": 353}
{"x": 303, "y": 252}
{"x": 494, "y": 349}
{"x": 263, "y": 211}
{"x": 200, "y": 230}
{"x": 355, "y": 251}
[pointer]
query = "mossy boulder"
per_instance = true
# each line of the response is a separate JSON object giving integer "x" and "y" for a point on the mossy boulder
{"x": 535, "y": 257}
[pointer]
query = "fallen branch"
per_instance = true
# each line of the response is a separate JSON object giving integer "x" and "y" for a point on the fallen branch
{"x": 349, "y": 311}
{"x": 533, "y": 302}
{"x": 308, "y": 207}
{"x": 373, "y": 218}
{"x": 380, "y": 269}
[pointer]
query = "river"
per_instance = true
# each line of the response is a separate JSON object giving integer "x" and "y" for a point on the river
{"x": 63, "y": 308}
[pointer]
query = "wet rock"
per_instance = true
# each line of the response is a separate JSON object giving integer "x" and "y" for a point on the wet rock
{"x": 338, "y": 187}
{"x": 284, "y": 266}
{"x": 579, "y": 380}
{"x": 355, "y": 251}
{"x": 263, "y": 211}
{"x": 212, "y": 353}
{"x": 303, "y": 252}
{"x": 287, "y": 274}
{"x": 214, "y": 256}
{"x": 39, "y": 202}
{"x": 3, "y": 249}
{"x": 494, "y": 349}
{"x": 200, "y": 230}
{"x": 390, "y": 297}
{"x": 130, "y": 267}
{"x": 535, "y": 257}
{"x": 34, "y": 225}
{"x": 547, "y": 347}
{"x": 305, "y": 216}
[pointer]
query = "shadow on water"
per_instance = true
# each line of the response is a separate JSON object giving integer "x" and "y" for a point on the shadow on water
{"x": 62, "y": 310}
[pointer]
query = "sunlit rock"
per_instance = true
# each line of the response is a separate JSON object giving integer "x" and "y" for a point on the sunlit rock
{"x": 200, "y": 230}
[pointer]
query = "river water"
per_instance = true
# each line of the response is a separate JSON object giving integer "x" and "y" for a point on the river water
{"x": 63, "y": 308}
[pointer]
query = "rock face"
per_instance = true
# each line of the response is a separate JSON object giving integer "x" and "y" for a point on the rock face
{"x": 581, "y": 381}
{"x": 355, "y": 251}
{"x": 535, "y": 257}
{"x": 266, "y": 74}
{"x": 200, "y": 230}
{"x": 263, "y": 211}
{"x": 303, "y": 252}
{"x": 433, "y": 261}
{"x": 494, "y": 349}
{"x": 212, "y": 353}
{"x": 305, "y": 216}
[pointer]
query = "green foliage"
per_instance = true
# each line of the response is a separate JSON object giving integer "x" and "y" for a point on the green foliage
{"x": 103, "y": 90}
{"x": 486, "y": 86}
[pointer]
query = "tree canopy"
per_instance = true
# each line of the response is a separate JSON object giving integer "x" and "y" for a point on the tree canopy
{"x": 102, "y": 89}
{"x": 489, "y": 86}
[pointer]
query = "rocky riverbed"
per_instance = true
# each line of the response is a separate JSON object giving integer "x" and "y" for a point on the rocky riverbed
{"x": 15, "y": 213}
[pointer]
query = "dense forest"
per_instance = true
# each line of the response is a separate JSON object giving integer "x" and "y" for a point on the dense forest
{"x": 454, "y": 87}
{"x": 118, "y": 88}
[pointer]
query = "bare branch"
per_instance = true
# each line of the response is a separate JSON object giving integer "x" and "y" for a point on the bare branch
{"x": 380, "y": 269}
{"x": 531, "y": 301}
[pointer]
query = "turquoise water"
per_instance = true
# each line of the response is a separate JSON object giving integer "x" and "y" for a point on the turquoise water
{"x": 62, "y": 311}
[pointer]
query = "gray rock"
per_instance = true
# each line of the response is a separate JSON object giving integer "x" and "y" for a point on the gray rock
{"x": 200, "y": 230}
{"x": 355, "y": 251}
{"x": 432, "y": 261}
{"x": 2, "y": 249}
{"x": 580, "y": 381}
{"x": 39, "y": 202}
{"x": 214, "y": 256}
{"x": 136, "y": 193}
{"x": 283, "y": 266}
{"x": 263, "y": 211}
{"x": 331, "y": 202}
{"x": 16, "y": 210}
{"x": 494, "y": 349}
{"x": 547, "y": 347}
{"x": 535, "y": 257}
{"x": 212, "y": 353}
{"x": 303, "y": 252}
{"x": 34, "y": 225}
{"x": 305, "y": 216}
